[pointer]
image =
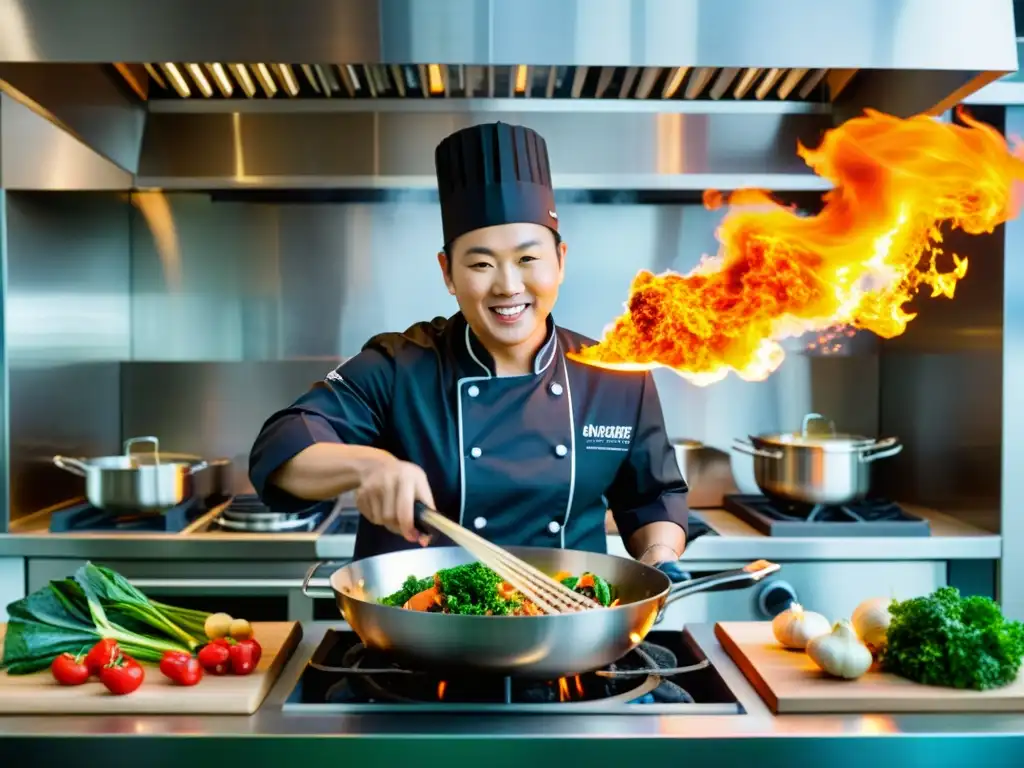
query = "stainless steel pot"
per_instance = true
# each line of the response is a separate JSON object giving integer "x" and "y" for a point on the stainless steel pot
{"x": 543, "y": 647}
{"x": 816, "y": 468}
{"x": 130, "y": 483}
{"x": 706, "y": 470}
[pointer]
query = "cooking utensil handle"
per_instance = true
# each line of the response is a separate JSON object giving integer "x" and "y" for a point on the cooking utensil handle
{"x": 74, "y": 466}
{"x": 750, "y": 450}
{"x": 317, "y": 593}
{"x": 740, "y": 578}
{"x": 883, "y": 449}
{"x": 811, "y": 417}
{"x": 149, "y": 439}
{"x": 198, "y": 467}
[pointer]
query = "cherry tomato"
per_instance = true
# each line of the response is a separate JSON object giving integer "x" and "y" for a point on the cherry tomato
{"x": 122, "y": 675}
{"x": 257, "y": 650}
{"x": 181, "y": 668}
{"x": 70, "y": 670}
{"x": 215, "y": 658}
{"x": 105, "y": 651}
{"x": 242, "y": 657}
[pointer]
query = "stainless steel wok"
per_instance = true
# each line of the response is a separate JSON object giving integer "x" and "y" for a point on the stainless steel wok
{"x": 543, "y": 647}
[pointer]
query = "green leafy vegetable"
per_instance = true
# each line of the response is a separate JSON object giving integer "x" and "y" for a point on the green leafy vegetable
{"x": 953, "y": 641}
{"x": 472, "y": 590}
{"x": 571, "y": 581}
{"x": 602, "y": 591}
{"x": 95, "y": 603}
{"x": 412, "y": 586}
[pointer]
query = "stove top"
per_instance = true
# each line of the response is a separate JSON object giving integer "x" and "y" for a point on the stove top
{"x": 870, "y": 517}
{"x": 666, "y": 674}
{"x": 84, "y": 518}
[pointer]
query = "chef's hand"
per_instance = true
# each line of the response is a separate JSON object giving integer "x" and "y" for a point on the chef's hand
{"x": 387, "y": 494}
{"x": 674, "y": 570}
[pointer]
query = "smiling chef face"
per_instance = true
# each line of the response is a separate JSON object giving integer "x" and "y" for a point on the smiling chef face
{"x": 506, "y": 280}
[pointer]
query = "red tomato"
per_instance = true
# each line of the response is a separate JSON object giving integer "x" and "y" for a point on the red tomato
{"x": 123, "y": 675}
{"x": 215, "y": 658}
{"x": 243, "y": 654}
{"x": 104, "y": 652}
{"x": 257, "y": 650}
{"x": 181, "y": 668}
{"x": 70, "y": 670}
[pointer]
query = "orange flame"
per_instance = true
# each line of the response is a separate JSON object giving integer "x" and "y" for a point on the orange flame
{"x": 563, "y": 689}
{"x": 441, "y": 688}
{"x": 564, "y": 693}
{"x": 875, "y": 244}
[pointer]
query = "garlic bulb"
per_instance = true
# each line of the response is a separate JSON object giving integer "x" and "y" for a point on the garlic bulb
{"x": 795, "y": 626}
{"x": 871, "y": 622}
{"x": 840, "y": 653}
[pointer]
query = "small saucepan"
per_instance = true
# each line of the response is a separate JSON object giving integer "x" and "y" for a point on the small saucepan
{"x": 815, "y": 467}
{"x": 131, "y": 483}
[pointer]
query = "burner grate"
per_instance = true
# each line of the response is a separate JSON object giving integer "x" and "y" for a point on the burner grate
{"x": 345, "y": 675}
{"x": 85, "y": 517}
{"x": 869, "y": 517}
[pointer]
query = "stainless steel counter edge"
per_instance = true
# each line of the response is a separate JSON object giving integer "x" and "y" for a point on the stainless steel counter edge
{"x": 310, "y": 548}
{"x": 918, "y": 739}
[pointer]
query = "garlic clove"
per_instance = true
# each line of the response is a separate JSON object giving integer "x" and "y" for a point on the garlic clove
{"x": 871, "y": 621}
{"x": 794, "y": 627}
{"x": 840, "y": 653}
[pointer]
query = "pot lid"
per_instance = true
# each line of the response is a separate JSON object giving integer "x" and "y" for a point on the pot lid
{"x": 823, "y": 435}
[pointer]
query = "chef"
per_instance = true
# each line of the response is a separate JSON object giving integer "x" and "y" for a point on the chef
{"x": 481, "y": 415}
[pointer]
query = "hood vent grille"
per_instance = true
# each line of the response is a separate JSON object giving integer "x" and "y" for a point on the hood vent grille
{"x": 215, "y": 81}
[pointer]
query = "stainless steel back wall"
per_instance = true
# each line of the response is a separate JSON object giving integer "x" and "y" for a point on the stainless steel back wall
{"x": 238, "y": 307}
{"x": 589, "y": 148}
{"x": 66, "y": 321}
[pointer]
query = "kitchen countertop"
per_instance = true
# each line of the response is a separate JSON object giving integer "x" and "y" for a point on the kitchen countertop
{"x": 951, "y": 539}
{"x": 755, "y": 737}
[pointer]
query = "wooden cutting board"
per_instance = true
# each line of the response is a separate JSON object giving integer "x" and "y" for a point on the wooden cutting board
{"x": 790, "y": 683}
{"x": 39, "y": 693}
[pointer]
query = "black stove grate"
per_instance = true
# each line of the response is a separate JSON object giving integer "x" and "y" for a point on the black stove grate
{"x": 84, "y": 517}
{"x": 344, "y": 672}
{"x": 869, "y": 517}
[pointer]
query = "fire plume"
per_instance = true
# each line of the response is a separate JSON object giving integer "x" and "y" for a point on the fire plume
{"x": 875, "y": 244}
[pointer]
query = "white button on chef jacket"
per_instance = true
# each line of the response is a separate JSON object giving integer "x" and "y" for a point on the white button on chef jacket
{"x": 554, "y": 527}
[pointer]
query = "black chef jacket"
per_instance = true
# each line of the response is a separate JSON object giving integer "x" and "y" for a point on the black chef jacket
{"x": 531, "y": 460}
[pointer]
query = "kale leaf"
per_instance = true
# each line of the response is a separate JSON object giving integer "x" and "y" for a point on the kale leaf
{"x": 958, "y": 642}
{"x": 472, "y": 590}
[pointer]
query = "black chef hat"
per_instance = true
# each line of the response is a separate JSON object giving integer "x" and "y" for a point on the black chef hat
{"x": 491, "y": 174}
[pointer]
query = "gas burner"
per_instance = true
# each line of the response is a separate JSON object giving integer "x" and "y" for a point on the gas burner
{"x": 344, "y": 675}
{"x": 85, "y": 518}
{"x": 248, "y": 514}
{"x": 869, "y": 517}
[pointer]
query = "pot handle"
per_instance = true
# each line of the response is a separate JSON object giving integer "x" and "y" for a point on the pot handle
{"x": 74, "y": 466}
{"x": 883, "y": 449}
{"x": 741, "y": 578}
{"x": 750, "y": 450}
{"x": 317, "y": 593}
{"x": 816, "y": 416}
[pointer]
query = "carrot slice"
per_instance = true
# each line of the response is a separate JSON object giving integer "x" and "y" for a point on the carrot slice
{"x": 586, "y": 580}
{"x": 423, "y": 601}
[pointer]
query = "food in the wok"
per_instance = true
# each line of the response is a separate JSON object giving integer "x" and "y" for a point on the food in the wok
{"x": 476, "y": 590}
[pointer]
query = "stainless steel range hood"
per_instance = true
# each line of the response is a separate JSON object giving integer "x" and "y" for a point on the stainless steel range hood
{"x": 631, "y": 94}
